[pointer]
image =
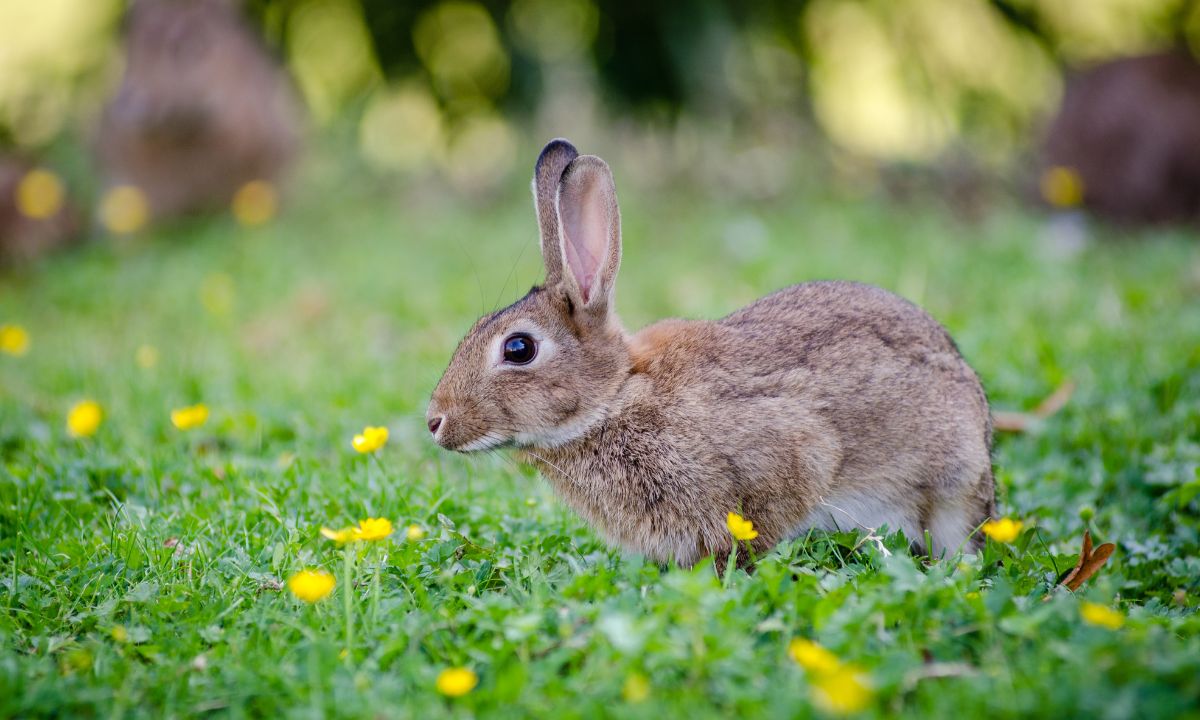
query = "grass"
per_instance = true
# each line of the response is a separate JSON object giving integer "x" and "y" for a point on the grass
{"x": 143, "y": 568}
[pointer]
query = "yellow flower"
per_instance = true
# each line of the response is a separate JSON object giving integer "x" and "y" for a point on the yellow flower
{"x": 120, "y": 634}
{"x": 39, "y": 194}
{"x": 837, "y": 687}
{"x": 369, "y": 529}
{"x": 14, "y": 340}
{"x": 124, "y": 210}
{"x": 1062, "y": 187}
{"x": 255, "y": 203}
{"x": 841, "y": 691}
{"x": 371, "y": 439}
{"x": 456, "y": 682}
{"x": 1004, "y": 530}
{"x": 311, "y": 585}
{"x": 84, "y": 419}
{"x": 342, "y": 536}
{"x": 1101, "y": 616}
{"x": 812, "y": 656}
{"x": 740, "y": 527}
{"x": 146, "y": 356}
{"x": 414, "y": 533}
{"x": 373, "y": 529}
{"x": 188, "y": 418}
{"x": 636, "y": 688}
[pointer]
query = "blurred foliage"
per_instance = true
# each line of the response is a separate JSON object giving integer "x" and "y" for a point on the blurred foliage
{"x": 429, "y": 82}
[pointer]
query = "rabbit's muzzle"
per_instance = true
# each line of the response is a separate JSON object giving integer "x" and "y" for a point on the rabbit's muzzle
{"x": 454, "y": 428}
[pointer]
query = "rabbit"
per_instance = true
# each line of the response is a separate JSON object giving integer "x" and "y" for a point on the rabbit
{"x": 202, "y": 108}
{"x": 827, "y": 405}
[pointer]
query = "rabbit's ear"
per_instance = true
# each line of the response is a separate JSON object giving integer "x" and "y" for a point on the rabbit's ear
{"x": 591, "y": 230}
{"x": 555, "y": 157}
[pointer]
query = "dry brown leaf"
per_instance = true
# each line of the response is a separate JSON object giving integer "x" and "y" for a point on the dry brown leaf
{"x": 1012, "y": 422}
{"x": 1018, "y": 422}
{"x": 1055, "y": 401}
{"x": 1094, "y": 563}
{"x": 1089, "y": 562}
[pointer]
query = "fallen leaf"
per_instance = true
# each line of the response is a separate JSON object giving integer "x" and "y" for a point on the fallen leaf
{"x": 1089, "y": 562}
{"x": 1019, "y": 422}
{"x": 1055, "y": 401}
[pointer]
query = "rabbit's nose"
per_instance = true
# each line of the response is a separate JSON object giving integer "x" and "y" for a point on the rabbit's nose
{"x": 435, "y": 423}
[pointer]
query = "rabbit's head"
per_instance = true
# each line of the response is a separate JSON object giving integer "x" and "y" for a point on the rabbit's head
{"x": 542, "y": 371}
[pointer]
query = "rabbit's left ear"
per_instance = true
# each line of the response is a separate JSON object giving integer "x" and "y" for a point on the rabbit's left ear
{"x": 590, "y": 231}
{"x": 547, "y": 174}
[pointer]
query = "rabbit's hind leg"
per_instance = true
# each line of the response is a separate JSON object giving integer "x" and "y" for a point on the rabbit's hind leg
{"x": 953, "y": 522}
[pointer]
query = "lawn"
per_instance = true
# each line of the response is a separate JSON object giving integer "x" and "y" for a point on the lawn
{"x": 143, "y": 569}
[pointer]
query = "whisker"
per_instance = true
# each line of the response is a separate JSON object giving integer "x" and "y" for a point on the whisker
{"x": 474, "y": 271}
{"x": 847, "y": 514}
{"x": 511, "y": 272}
{"x": 497, "y": 452}
{"x": 565, "y": 474}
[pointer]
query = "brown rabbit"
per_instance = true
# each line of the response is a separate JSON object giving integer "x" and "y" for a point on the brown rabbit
{"x": 201, "y": 110}
{"x": 823, "y": 405}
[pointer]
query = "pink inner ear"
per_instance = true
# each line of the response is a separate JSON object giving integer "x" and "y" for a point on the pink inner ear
{"x": 585, "y": 231}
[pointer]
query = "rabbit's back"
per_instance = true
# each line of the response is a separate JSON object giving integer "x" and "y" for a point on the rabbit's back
{"x": 825, "y": 312}
{"x": 857, "y": 341}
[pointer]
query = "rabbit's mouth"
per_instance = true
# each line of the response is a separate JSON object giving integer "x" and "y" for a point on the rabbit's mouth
{"x": 483, "y": 443}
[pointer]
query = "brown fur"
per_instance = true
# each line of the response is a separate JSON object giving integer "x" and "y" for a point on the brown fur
{"x": 1130, "y": 129}
{"x": 201, "y": 110}
{"x": 828, "y": 404}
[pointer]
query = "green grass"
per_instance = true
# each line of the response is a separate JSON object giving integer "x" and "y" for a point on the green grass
{"x": 142, "y": 568}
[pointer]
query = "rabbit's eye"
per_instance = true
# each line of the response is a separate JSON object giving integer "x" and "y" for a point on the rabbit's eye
{"x": 519, "y": 349}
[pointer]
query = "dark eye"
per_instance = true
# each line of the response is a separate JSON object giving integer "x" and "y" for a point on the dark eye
{"x": 519, "y": 349}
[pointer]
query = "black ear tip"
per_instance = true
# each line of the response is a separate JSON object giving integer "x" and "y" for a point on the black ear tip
{"x": 559, "y": 149}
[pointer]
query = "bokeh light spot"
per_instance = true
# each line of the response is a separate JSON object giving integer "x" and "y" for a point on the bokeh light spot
{"x": 460, "y": 46}
{"x": 331, "y": 54}
{"x": 217, "y": 294}
{"x": 146, "y": 357}
{"x": 401, "y": 129}
{"x": 14, "y": 340}
{"x": 39, "y": 194}
{"x": 858, "y": 91}
{"x": 481, "y": 153}
{"x": 554, "y": 30}
{"x": 1093, "y": 29}
{"x": 124, "y": 210}
{"x": 1062, "y": 187}
{"x": 46, "y": 48}
{"x": 255, "y": 203}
